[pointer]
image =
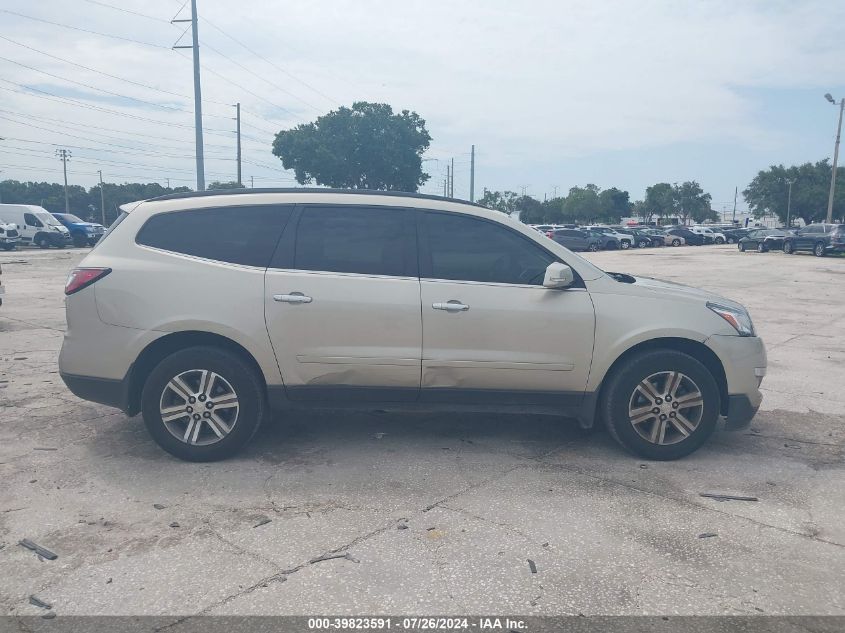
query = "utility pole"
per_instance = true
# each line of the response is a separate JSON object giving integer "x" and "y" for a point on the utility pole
{"x": 65, "y": 155}
{"x": 238, "y": 109}
{"x": 197, "y": 95}
{"x": 472, "y": 175}
{"x": 555, "y": 190}
{"x": 446, "y": 186}
{"x": 835, "y": 157}
{"x": 789, "y": 204}
{"x": 102, "y": 197}
{"x": 168, "y": 182}
{"x": 252, "y": 182}
{"x": 452, "y": 180}
{"x": 736, "y": 193}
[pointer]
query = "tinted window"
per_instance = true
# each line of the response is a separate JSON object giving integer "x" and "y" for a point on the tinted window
{"x": 469, "y": 249}
{"x": 30, "y": 219}
{"x": 238, "y": 235}
{"x": 813, "y": 228}
{"x": 353, "y": 239}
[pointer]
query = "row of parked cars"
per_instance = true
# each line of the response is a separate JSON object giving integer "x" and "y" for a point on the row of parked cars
{"x": 819, "y": 239}
{"x": 595, "y": 238}
{"x": 31, "y": 224}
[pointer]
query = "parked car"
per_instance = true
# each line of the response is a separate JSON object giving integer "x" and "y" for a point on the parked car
{"x": 36, "y": 225}
{"x": 623, "y": 240}
{"x": 8, "y": 235}
{"x": 763, "y": 240}
{"x": 409, "y": 304}
{"x": 577, "y": 240}
{"x": 718, "y": 237}
{"x": 2, "y": 289}
{"x": 607, "y": 240}
{"x": 693, "y": 239}
{"x": 820, "y": 239}
{"x": 640, "y": 239}
{"x": 81, "y": 232}
{"x": 666, "y": 238}
{"x": 732, "y": 236}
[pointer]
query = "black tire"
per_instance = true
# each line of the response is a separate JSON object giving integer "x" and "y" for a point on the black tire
{"x": 730, "y": 240}
{"x": 42, "y": 242}
{"x": 719, "y": 240}
{"x": 819, "y": 249}
{"x": 741, "y": 247}
{"x": 624, "y": 245}
{"x": 642, "y": 244}
{"x": 619, "y": 389}
{"x": 676, "y": 242}
{"x": 79, "y": 242}
{"x": 593, "y": 247}
{"x": 762, "y": 248}
{"x": 788, "y": 248}
{"x": 245, "y": 382}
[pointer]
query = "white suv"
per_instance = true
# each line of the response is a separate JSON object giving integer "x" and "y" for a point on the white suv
{"x": 210, "y": 310}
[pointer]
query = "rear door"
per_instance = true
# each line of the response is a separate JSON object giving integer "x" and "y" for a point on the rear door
{"x": 491, "y": 331}
{"x": 342, "y": 304}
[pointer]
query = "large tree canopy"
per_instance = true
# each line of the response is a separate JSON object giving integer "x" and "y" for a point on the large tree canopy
{"x": 769, "y": 191}
{"x": 366, "y": 146}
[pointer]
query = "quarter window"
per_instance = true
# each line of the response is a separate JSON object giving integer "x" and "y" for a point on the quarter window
{"x": 356, "y": 239}
{"x": 237, "y": 235}
{"x": 464, "y": 248}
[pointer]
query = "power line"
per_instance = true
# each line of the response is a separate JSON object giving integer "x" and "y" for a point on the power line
{"x": 76, "y": 28}
{"x": 141, "y": 15}
{"x": 105, "y": 74}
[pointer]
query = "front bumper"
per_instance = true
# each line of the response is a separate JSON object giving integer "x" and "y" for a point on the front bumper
{"x": 744, "y": 361}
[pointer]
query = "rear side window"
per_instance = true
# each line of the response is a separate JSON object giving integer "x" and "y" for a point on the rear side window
{"x": 464, "y": 248}
{"x": 237, "y": 235}
{"x": 356, "y": 239}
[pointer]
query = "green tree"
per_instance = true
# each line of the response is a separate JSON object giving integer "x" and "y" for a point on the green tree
{"x": 690, "y": 201}
{"x": 614, "y": 204}
{"x": 768, "y": 192}
{"x": 503, "y": 201}
{"x": 366, "y": 146}
{"x": 530, "y": 209}
{"x": 582, "y": 204}
{"x": 660, "y": 200}
{"x": 231, "y": 184}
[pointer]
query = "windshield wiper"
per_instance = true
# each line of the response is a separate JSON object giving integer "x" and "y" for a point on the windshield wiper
{"x": 623, "y": 277}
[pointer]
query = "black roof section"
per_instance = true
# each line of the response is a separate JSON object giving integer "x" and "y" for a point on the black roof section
{"x": 365, "y": 192}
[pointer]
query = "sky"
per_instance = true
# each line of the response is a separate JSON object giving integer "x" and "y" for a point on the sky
{"x": 553, "y": 94}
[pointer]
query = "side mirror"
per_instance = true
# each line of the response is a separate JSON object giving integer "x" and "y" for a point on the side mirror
{"x": 558, "y": 276}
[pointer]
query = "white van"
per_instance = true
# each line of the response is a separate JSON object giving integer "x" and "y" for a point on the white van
{"x": 36, "y": 225}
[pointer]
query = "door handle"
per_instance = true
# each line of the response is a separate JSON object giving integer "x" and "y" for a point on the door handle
{"x": 294, "y": 297}
{"x": 452, "y": 305}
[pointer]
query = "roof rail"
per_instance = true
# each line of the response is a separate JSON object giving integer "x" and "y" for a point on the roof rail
{"x": 360, "y": 192}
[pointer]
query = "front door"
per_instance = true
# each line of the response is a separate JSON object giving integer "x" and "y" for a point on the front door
{"x": 491, "y": 332}
{"x": 342, "y": 304}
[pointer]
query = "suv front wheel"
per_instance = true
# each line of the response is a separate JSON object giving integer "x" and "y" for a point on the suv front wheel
{"x": 203, "y": 404}
{"x": 661, "y": 404}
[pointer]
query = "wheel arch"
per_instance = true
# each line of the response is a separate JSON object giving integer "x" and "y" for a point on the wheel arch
{"x": 693, "y": 348}
{"x": 166, "y": 345}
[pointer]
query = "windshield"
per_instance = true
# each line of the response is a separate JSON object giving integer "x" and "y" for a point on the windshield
{"x": 47, "y": 219}
{"x": 69, "y": 217}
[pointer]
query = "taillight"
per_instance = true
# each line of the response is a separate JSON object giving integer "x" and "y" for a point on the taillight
{"x": 549, "y": 233}
{"x": 80, "y": 278}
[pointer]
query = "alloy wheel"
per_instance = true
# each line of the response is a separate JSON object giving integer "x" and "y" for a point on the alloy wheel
{"x": 199, "y": 407}
{"x": 666, "y": 408}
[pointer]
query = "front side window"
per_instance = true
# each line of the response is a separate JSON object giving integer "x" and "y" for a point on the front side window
{"x": 356, "y": 239}
{"x": 237, "y": 235}
{"x": 31, "y": 220}
{"x": 464, "y": 248}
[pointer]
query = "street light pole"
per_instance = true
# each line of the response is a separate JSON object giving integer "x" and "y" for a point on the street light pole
{"x": 789, "y": 203}
{"x": 835, "y": 157}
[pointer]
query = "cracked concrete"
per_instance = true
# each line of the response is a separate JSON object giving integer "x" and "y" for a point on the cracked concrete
{"x": 480, "y": 494}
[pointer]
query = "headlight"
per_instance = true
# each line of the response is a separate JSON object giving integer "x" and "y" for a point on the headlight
{"x": 739, "y": 318}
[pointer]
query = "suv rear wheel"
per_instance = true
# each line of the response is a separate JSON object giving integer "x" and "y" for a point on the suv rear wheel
{"x": 818, "y": 249}
{"x": 788, "y": 248}
{"x": 203, "y": 404}
{"x": 661, "y": 404}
